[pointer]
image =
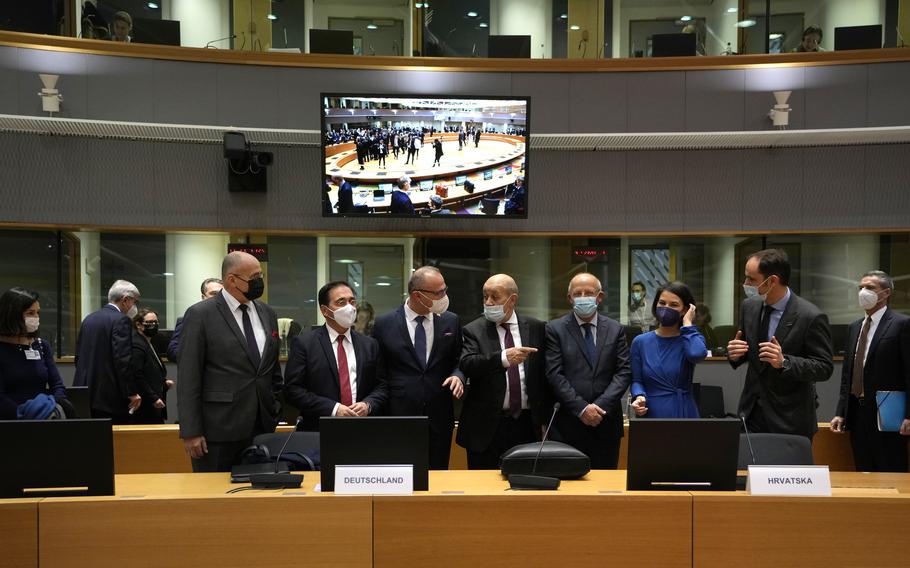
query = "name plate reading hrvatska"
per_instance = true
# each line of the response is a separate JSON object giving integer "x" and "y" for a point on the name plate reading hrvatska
{"x": 796, "y": 480}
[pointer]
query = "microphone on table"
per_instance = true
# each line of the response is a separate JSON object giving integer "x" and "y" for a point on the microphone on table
{"x": 742, "y": 417}
{"x": 532, "y": 481}
{"x": 209, "y": 44}
{"x": 278, "y": 480}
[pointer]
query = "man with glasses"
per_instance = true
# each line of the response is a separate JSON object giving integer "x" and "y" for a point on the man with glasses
{"x": 421, "y": 344}
{"x": 787, "y": 344}
{"x": 103, "y": 352}
{"x": 229, "y": 371}
{"x": 333, "y": 370}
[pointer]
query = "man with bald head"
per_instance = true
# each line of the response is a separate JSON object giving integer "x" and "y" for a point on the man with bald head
{"x": 588, "y": 371}
{"x": 229, "y": 371}
{"x": 507, "y": 396}
{"x": 420, "y": 343}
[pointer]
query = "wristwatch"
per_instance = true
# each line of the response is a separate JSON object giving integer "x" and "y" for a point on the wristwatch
{"x": 786, "y": 364}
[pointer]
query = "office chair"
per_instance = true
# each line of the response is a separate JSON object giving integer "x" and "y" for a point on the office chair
{"x": 775, "y": 449}
{"x": 489, "y": 206}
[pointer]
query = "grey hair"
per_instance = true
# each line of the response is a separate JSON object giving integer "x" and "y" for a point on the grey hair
{"x": 596, "y": 279}
{"x": 403, "y": 180}
{"x": 883, "y": 278}
{"x": 418, "y": 277}
{"x": 122, "y": 289}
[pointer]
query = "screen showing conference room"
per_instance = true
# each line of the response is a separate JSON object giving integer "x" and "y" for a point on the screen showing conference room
{"x": 429, "y": 156}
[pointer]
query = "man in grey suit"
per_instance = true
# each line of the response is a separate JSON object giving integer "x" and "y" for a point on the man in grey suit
{"x": 787, "y": 344}
{"x": 588, "y": 370}
{"x": 229, "y": 371}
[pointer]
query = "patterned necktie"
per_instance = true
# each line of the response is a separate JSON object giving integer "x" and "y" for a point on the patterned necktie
{"x": 420, "y": 341}
{"x": 344, "y": 376}
{"x": 514, "y": 377}
{"x": 251, "y": 347}
{"x": 858, "y": 359}
{"x": 589, "y": 343}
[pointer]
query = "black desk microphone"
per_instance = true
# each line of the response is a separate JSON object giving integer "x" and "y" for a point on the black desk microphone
{"x": 536, "y": 482}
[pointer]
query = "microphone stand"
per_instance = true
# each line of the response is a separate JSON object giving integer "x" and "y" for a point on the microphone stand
{"x": 278, "y": 480}
{"x": 519, "y": 481}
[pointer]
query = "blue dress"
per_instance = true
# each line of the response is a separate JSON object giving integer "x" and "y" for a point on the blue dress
{"x": 662, "y": 372}
{"x": 22, "y": 379}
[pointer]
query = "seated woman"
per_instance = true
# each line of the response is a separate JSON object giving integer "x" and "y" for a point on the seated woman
{"x": 147, "y": 371}
{"x": 663, "y": 360}
{"x": 27, "y": 368}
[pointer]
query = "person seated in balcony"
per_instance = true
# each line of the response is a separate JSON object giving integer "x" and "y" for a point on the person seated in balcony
{"x": 436, "y": 207}
{"x": 812, "y": 37}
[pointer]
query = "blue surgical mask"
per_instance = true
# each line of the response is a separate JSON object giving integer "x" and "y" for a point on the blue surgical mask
{"x": 668, "y": 317}
{"x": 636, "y": 296}
{"x": 584, "y": 306}
{"x": 495, "y": 313}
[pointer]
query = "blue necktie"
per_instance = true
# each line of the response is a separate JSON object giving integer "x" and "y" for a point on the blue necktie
{"x": 251, "y": 346}
{"x": 589, "y": 343}
{"x": 420, "y": 341}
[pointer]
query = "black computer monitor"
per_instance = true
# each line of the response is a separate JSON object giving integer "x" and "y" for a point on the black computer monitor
{"x": 686, "y": 454}
{"x": 672, "y": 45}
{"x": 79, "y": 397}
{"x": 45, "y": 458}
{"x": 858, "y": 37}
{"x": 516, "y": 46}
{"x": 158, "y": 32}
{"x": 374, "y": 440}
{"x": 340, "y": 42}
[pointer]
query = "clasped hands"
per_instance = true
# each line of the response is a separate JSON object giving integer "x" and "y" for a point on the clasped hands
{"x": 768, "y": 351}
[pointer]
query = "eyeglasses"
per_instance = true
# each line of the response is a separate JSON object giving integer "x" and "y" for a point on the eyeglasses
{"x": 438, "y": 293}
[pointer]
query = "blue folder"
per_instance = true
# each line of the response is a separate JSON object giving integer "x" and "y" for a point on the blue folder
{"x": 891, "y": 405}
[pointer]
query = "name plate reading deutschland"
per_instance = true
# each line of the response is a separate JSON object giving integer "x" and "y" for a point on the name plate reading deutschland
{"x": 806, "y": 480}
{"x": 374, "y": 479}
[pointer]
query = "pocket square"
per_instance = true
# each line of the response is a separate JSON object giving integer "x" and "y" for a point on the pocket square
{"x": 447, "y": 334}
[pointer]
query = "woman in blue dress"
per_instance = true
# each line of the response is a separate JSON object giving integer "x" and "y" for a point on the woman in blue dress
{"x": 663, "y": 360}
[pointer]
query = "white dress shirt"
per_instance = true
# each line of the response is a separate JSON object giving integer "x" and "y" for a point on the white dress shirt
{"x": 512, "y": 322}
{"x": 409, "y": 316}
{"x": 258, "y": 329}
{"x": 352, "y": 361}
{"x": 873, "y": 325}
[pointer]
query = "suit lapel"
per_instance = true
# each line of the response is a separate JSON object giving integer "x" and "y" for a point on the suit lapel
{"x": 329, "y": 352}
{"x": 880, "y": 331}
{"x": 232, "y": 324}
{"x": 270, "y": 334}
{"x": 406, "y": 336}
{"x": 359, "y": 357}
{"x": 437, "y": 336}
{"x": 785, "y": 324}
{"x": 575, "y": 332}
{"x": 601, "y": 339}
{"x": 852, "y": 340}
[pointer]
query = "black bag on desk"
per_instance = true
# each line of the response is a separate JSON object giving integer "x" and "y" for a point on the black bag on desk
{"x": 556, "y": 460}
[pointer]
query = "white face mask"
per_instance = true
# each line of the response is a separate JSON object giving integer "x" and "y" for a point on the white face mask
{"x": 867, "y": 298}
{"x": 345, "y": 316}
{"x": 132, "y": 312}
{"x": 495, "y": 313}
{"x": 439, "y": 306}
{"x": 752, "y": 291}
{"x": 31, "y": 324}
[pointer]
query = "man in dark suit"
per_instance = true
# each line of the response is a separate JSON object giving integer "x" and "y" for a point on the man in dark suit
{"x": 787, "y": 344}
{"x": 333, "y": 370}
{"x": 588, "y": 371}
{"x": 401, "y": 202}
{"x": 421, "y": 345}
{"x": 507, "y": 397}
{"x": 229, "y": 371}
{"x": 210, "y": 287}
{"x": 878, "y": 359}
{"x": 103, "y": 352}
{"x": 477, "y": 138}
{"x": 461, "y": 139}
{"x": 345, "y": 195}
{"x": 516, "y": 197}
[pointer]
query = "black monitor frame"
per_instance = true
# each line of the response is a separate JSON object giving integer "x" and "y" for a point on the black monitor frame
{"x": 509, "y": 46}
{"x": 374, "y": 440}
{"x": 336, "y": 42}
{"x": 683, "y": 454}
{"x": 673, "y": 45}
{"x": 525, "y": 159}
{"x": 858, "y": 37}
{"x": 50, "y": 458}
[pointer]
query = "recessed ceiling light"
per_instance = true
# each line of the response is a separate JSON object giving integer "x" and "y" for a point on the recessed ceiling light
{"x": 563, "y": 16}
{"x": 152, "y": 5}
{"x": 272, "y": 17}
{"x": 346, "y": 261}
{"x": 574, "y": 27}
{"x": 686, "y": 19}
{"x": 167, "y": 273}
{"x": 418, "y": 5}
{"x": 472, "y": 14}
{"x": 372, "y": 27}
{"x": 483, "y": 25}
{"x": 746, "y": 23}
{"x": 775, "y": 36}
{"x": 732, "y": 10}
{"x": 383, "y": 284}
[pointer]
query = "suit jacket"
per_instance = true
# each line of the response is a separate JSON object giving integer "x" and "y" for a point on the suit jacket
{"x": 311, "y": 376}
{"x": 887, "y": 360}
{"x": 345, "y": 199}
{"x": 577, "y": 382}
{"x": 481, "y": 363}
{"x": 401, "y": 203}
{"x": 221, "y": 394}
{"x": 148, "y": 374}
{"x": 788, "y": 395}
{"x": 103, "y": 352}
{"x": 414, "y": 389}
{"x": 173, "y": 346}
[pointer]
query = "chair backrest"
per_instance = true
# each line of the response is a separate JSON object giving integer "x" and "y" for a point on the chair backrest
{"x": 301, "y": 452}
{"x": 775, "y": 449}
{"x": 489, "y": 206}
{"x": 711, "y": 402}
{"x": 79, "y": 397}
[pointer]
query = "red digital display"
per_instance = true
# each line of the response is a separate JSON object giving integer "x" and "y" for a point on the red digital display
{"x": 261, "y": 252}
{"x": 589, "y": 254}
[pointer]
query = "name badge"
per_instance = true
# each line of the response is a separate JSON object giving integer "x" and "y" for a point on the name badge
{"x": 374, "y": 479}
{"x": 805, "y": 480}
{"x": 32, "y": 354}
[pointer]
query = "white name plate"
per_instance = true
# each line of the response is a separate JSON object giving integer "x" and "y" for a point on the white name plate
{"x": 374, "y": 479}
{"x": 806, "y": 480}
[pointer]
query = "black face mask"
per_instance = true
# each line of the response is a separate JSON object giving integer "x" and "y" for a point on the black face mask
{"x": 150, "y": 329}
{"x": 255, "y": 288}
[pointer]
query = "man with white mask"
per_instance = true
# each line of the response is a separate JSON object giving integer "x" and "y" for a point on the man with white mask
{"x": 421, "y": 346}
{"x": 507, "y": 399}
{"x": 333, "y": 370}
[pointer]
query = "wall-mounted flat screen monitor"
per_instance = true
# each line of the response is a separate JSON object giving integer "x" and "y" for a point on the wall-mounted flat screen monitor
{"x": 356, "y": 125}
{"x": 387, "y": 187}
{"x": 858, "y": 37}
{"x": 515, "y": 46}
{"x": 158, "y": 32}
{"x": 672, "y": 45}
{"x": 339, "y": 42}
